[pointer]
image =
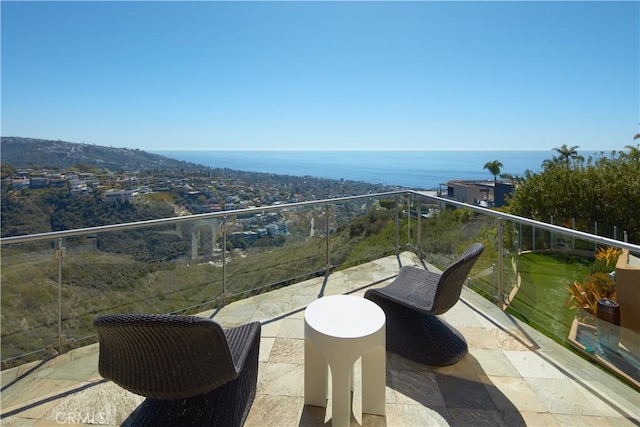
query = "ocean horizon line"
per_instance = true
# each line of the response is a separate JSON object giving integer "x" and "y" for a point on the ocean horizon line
{"x": 424, "y": 169}
{"x": 275, "y": 150}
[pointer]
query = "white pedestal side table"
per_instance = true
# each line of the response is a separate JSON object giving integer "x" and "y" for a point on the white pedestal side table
{"x": 338, "y": 330}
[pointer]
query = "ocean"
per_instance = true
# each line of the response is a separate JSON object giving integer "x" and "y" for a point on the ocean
{"x": 419, "y": 170}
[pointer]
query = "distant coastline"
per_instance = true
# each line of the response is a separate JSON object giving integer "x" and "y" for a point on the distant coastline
{"x": 412, "y": 169}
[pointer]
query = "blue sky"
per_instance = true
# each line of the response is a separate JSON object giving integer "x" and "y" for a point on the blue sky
{"x": 323, "y": 75}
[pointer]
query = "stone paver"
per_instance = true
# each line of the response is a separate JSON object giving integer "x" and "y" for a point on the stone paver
{"x": 509, "y": 378}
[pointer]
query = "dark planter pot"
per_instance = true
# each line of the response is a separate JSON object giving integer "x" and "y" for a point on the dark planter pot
{"x": 608, "y": 324}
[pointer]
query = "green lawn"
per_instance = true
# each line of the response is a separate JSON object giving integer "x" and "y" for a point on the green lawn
{"x": 543, "y": 291}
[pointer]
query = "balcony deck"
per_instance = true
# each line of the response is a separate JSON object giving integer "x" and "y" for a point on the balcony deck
{"x": 512, "y": 375}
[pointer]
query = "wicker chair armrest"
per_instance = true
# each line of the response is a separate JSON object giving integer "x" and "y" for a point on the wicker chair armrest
{"x": 241, "y": 340}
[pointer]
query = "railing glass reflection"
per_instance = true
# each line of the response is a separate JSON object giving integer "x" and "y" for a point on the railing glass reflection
{"x": 59, "y": 282}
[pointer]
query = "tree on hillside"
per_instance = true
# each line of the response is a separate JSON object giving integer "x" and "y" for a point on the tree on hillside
{"x": 514, "y": 179}
{"x": 494, "y": 168}
{"x": 85, "y": 168}
{"x": 567, "y": 154}
{"x": 634, "y": 152}
{"x": 7, "y": 171}
{"x": 605, "y": 189}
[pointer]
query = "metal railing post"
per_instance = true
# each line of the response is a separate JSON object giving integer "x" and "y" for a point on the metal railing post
{"x": 59, "y": 254}
{"x": 533, "y": 231}
{"x": 397, "y": 244}
{"x": 410, "y": 205}
{"x": 519, "y": 237}
{"x": 502, "y": 280}
{"x": 500, "y": 261}
{"x": 494, "y": 281}
{"x": 224, "y": 261}
{"x": 419, "y": 230}
{"x": 328, "y": 260}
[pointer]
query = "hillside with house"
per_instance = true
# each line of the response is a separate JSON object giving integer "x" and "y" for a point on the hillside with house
{"x": 55, "y": 154}
{"x": 56, "y": 185}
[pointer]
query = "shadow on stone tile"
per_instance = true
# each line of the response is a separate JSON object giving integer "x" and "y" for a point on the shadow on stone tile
{"x": 479, "y": 418}
{"x": 465, "y": 392}
{"x": 462, "y": 388}
{"x": 313, "y": 416}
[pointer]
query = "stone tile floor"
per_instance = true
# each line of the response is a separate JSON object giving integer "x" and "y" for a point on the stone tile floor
{"x": 512, "y": 376}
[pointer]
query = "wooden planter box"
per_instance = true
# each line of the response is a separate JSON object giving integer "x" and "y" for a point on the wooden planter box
{"x": 628, "y": 296}
{"x": 624, "y": 363}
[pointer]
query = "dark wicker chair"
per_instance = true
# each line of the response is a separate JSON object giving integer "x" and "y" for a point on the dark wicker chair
{"x": 413, "y": 301}
{"x": 192, "y": 372}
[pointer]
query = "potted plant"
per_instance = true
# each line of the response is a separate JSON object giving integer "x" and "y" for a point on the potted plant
{"x": 596, "y": 297}
{"x": 605, "y": 260}
{"x": 585, "y": 295}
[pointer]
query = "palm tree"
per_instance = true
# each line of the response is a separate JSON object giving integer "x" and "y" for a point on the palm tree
{"x": 549, "y": 163}
{"x": 514, "y": 179}
{"x": 566, "y": 154}
{"x": 634, "y": 152}
{"x": 494, "y": 168}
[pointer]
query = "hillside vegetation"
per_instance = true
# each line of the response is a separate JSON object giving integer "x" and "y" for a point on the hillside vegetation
{"x": 97, "y": 282}
{"x": 56, "y": 185}
{"x": 604, "y": 189}
{"x": 165, "y": 269}
{"x": 43, "y": 153}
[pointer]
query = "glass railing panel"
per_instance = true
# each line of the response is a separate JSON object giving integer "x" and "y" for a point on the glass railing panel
{"x": 486, "y": 278}
{"x": 529, "y": 269}
{"x": 419, "y": 209}
{"x": 560, "y": 283}
{"x": 445, "y": 230}
{"x": 549, "y": 262}
{"x": 602, "y": 229}
{"x": 277, "y": 248}
{"x": 362, "y": 230}
{"x": 545, "y": 274}
{"x": 29, "y": 303}
{"x": 183, "y": 266}
{"x": 606, "y": 230}
{"x": 271, "y": 249}
{"x": 159, "y": 269}
{"x": 510, "y": 257}
{"x": 536, "y": 238}
{"x": 192, "y": 264}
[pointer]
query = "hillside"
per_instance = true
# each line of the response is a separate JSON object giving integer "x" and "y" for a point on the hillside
{"x": 65, "y": 185}
{"x": 29, "y": 152}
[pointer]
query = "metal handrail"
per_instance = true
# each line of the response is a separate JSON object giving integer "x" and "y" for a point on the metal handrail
{"x": 187, "y": 218}
{"x": 531, "y": 222}
{"x": 58, "y": 236}
{"x": 436, "y": 199}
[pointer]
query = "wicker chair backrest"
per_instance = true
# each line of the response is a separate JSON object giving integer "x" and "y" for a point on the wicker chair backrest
{"x": 453, "y": 278}
{"x": 164, "y": 356}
